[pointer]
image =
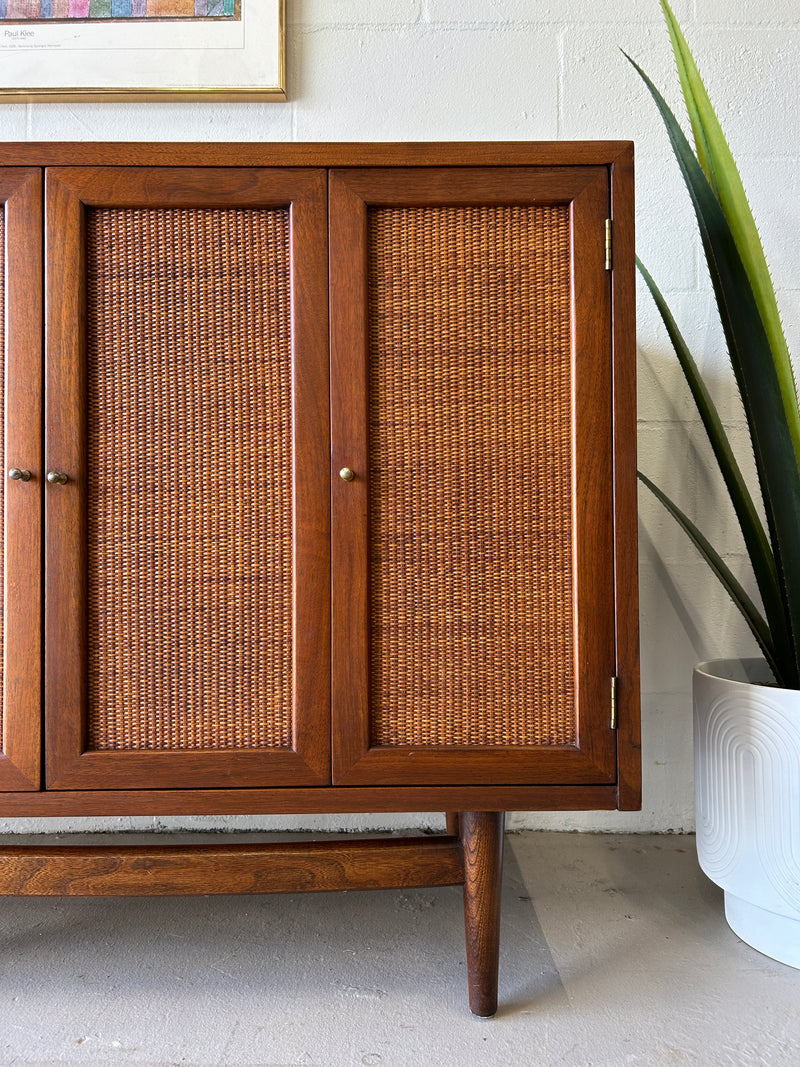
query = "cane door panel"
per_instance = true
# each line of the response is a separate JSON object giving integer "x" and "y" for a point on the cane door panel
{"x": 473, "y": 599}
{"x": 20, "y": 397}
{"x": 187, "y": 552}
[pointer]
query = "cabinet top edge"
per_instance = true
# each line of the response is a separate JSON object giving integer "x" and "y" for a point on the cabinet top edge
{"x": 316, "y": 154}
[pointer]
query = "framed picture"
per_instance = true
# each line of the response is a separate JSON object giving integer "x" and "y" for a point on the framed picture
{"x": 67, "y": 51}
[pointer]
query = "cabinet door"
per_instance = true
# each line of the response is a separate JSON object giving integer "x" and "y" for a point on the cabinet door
{"x": 187, "y": 552}
{"x": 473, "y": 610}
{"x": 20, "y": 424}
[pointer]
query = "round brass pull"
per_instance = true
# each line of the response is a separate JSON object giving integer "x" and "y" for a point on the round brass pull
{"x": 17, "y": 474}
{"x": 56, "y": 478}
{"x": 346, "y": 474}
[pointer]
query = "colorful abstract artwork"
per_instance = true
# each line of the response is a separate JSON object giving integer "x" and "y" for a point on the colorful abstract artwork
{"x": 47, "y": 10}
{"x": 142, "y": 51}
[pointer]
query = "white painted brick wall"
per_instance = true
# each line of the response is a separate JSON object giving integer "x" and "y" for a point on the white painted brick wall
{"x": 502, "y": 69}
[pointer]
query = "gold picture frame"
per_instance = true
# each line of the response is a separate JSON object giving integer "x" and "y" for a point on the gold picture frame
{"x": 142, "y": 50}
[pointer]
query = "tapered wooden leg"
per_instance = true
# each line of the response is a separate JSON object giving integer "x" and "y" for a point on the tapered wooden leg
{"x": 482, "y": 840}
{"x": 452, "y": 823}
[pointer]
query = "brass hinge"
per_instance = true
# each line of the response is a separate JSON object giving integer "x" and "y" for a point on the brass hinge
{"x": 613, "y": 723}
{"x": 608, "y": 244}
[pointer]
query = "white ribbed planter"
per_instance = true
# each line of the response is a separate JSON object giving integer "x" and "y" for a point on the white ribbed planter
{"x": 747, "y": 782}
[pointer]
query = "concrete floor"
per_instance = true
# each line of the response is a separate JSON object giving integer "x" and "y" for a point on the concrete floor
{"x": 614, "y": 951}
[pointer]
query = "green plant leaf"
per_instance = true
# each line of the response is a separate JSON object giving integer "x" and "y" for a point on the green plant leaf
{"x": 756, "y": 374}
{"x": 755, "y": 536}
{"x": 731, "y": 583}
{"x": 720, "y": 168}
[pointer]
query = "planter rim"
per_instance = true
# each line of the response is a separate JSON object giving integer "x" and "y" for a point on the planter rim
{"x": 744, "y": 672}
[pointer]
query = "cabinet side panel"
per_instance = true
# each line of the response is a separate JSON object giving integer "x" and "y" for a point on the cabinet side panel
{"x": 2, "y": 479}
{"x": 189, "y": 471}
{"x": 471, "y": 480}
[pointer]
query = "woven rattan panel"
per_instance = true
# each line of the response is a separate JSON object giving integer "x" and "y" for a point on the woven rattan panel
{"x": 470, "y": 410}
{"x": 189, "y": 475}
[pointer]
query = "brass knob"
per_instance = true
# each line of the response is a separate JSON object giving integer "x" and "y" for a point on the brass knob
{"x": 18, "y": 475}
{"x": 346, "y": 474}
{"x": 56, "y": 478}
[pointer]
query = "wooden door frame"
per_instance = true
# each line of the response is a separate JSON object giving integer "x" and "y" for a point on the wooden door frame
{"x": 356, "y": 761}
{"x": 68, "y": 192}
{"x": 20, "y": 759}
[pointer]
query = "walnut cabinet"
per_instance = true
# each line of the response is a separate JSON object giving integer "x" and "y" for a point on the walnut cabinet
{"x": 319, "y": 497}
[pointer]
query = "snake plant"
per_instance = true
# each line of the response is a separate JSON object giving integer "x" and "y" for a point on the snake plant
{"x": 762, "y": 369}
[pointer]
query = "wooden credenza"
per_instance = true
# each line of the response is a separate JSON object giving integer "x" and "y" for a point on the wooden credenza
{"x": 335, "y": 510}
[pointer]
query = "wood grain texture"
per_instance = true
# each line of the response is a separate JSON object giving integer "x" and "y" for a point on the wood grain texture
{"x": 357, "y": 759}
{"x": 452, "y": 823}
{"x": 20, "y": 755}
{"x": 623, "y": 295}
{"x": 349, "y": 445}
{"x": 187, "y": 187}
{"x": 191, "y": 168}
{"x": 72, "y": 762}
{"x": 295, "y": 867}
{"x": 467, "y": 185}
{"x": 592, "y": 484}
{"x": 234, "y": 801}
{"x": 65, "y": 541}
{"x": 482, "y": 839}
{"x": 336, "y": 154}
